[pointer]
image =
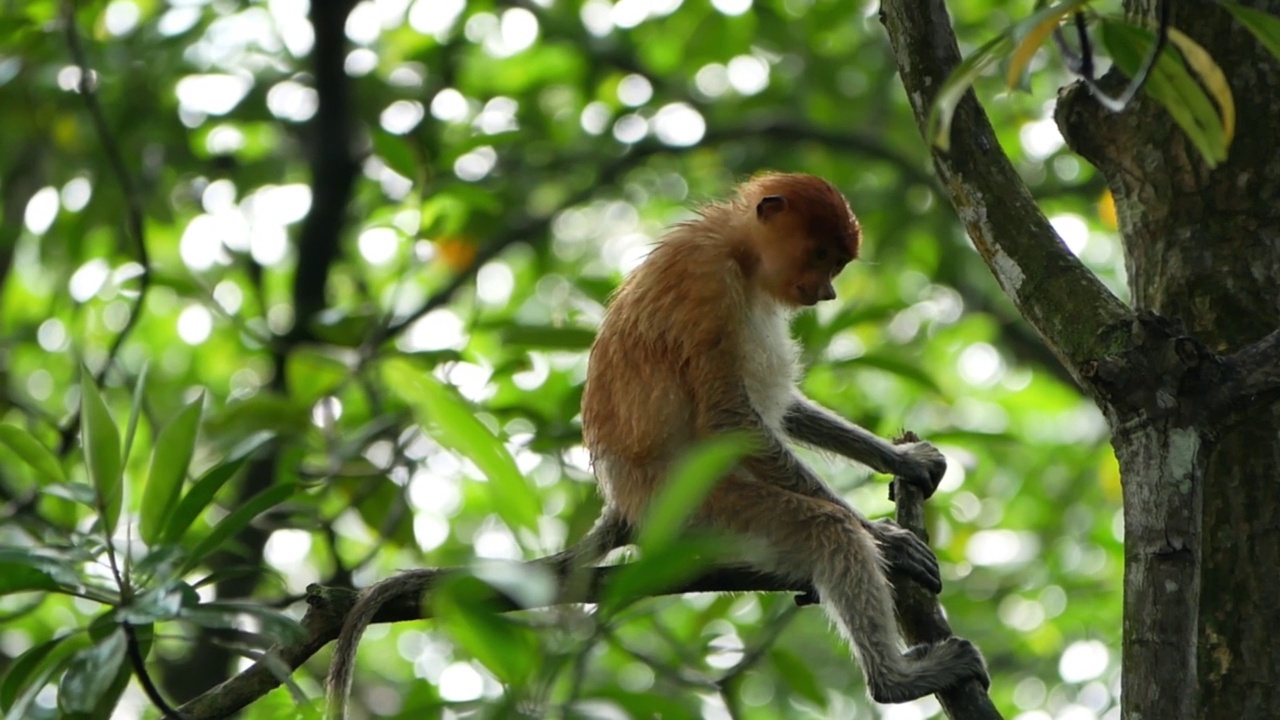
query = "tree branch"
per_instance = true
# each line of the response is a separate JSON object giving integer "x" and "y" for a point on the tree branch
{"x": 920, "y": 615}
{"x": 1009, "y": 230}
{"x": 328, "y": 607}
{"x": 1253, "y": 378}
{"x": 332, "y": 159}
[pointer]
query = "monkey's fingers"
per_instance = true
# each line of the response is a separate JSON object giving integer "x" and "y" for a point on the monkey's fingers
{"x": 908, "y": 555}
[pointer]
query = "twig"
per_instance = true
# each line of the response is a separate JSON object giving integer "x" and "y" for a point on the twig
{"x": 920, "y": 616}
{"x": 87, "y": 87}
{"x": 1082, "y": 63}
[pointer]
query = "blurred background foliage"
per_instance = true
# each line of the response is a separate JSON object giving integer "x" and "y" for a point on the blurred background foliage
{"x": 515, "y": 160}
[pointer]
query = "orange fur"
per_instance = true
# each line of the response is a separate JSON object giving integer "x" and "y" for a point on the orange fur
{"x": 711, "y": 302}
{"x": 697, "y": 342}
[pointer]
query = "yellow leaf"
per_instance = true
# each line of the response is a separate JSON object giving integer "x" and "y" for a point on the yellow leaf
{"x": 1107, "y": 210}
{"x": 1211, "y": 76}
{"x": 1031, "y": 42}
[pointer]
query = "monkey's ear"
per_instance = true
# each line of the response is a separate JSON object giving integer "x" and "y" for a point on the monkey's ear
{"x": 770, "y": 206}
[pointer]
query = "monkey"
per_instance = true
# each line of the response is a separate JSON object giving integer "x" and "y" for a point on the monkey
{"x": 695, "y": 343}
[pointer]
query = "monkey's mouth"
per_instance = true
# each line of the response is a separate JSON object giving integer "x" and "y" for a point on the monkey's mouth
{"x": 808, "y": 297}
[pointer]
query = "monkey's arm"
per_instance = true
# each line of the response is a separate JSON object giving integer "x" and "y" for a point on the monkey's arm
{"x": 728, "y": 409}
{"x": 918, "y": 463}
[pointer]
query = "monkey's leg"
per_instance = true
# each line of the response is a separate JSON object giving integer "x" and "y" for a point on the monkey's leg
{"x": 830, "y": 546}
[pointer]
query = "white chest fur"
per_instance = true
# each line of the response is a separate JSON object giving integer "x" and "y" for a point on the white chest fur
{"x": 769, "y": 360}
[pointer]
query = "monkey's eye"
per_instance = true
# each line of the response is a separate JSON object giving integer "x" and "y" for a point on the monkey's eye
{"x": 821, "y": 254}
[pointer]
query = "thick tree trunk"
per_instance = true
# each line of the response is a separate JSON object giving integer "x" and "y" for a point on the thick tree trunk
{"x": 1203, "y": 247}
{"x": 1182, "y": 375}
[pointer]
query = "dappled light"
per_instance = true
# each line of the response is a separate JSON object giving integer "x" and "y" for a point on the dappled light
{"x": 315, "y": 285}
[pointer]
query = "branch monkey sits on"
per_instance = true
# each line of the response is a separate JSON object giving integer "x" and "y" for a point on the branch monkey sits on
{"x": 697, "y": 342}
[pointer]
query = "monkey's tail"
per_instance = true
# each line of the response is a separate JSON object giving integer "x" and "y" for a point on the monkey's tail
{"x": 342, "y": 667}
{"x": 609, "y": 532}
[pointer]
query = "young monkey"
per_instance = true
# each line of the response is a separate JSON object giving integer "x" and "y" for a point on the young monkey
{"x": 697, "y": 342}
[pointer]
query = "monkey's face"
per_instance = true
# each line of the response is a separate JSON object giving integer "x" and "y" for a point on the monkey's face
{"x": 806, "y": 235}
{"x": 820, "y": 262}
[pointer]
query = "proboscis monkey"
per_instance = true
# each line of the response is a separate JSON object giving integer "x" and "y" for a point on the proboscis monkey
{"x": 697, "y": 343}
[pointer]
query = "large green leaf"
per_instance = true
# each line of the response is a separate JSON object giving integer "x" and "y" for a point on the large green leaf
{"x": 688, "y": 483}
{"x": 101, "y": 440}
{"x": 33, "y": 453}
{"x": 1170, "y": 84}
{"x": 206, "y": 488}
{"x": 447, "y": 419}
{"x": 464, "y": 608}
{"x": 29, "y": 673}
{"x": 1264, "y": 26}
{"x": 238, "y": 520}
{"x": 1033, "y": 28}
{"x": 174, "y": 448}
{"x": 90, "y": 674}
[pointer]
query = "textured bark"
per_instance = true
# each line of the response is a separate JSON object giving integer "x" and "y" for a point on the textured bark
{"x": 1203, "y": 246}
{"x": 1183, "y": 378}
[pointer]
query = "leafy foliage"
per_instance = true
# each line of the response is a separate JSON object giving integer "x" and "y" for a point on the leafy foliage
{"x": 515, "y": 160}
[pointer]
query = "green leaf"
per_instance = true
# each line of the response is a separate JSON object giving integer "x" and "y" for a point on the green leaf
{"x": 449, "y": 421}
{"x": 174, "y": 447}
{"x": 24, "y": 578}
{"x": 972, "y": 67}
{"x": 1170, "y": 84}
{"x": 101, "y": 442}
{"x": 397, "y": 153}
{"x": 155, "y": 605}
{"x": 90, "y": 674}
{"x": 238, "y": 520}
{"x": 203, "y": 491}
{"x": 464, "y": 609}
{"x": 23, "y": 569}
{"x": 1264, "y": 26}
{"x": 22, "y": 669}
{"x": 798, "y": 676}
{"x": 663, "y": 569}
{"x": 33, "y": 453}
{"x": 135, "y": 411}
{"x": 312, "y": 374}
{"x": 688, "y": 483}
{"x": 547, "y": 337}
{"x": 29, "y": 673}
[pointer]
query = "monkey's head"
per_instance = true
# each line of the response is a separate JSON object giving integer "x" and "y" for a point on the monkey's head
{"x": 805, "y": 235}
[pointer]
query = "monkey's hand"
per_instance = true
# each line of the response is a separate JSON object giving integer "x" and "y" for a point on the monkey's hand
{"x": 920, "y": 464}
{"x": 906, "y": 554}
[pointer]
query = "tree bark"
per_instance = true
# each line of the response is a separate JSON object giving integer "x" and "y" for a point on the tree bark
{"x": 1182, "y": 374}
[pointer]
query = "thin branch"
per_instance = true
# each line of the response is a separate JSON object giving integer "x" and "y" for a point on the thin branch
{"x": 328, "y": 607}
{"x": 87, "y": 87}
{"x": 139, "y": 664}
{"x": 1082, "y": 63}
{"x": 921, "y": 617}
{"x": 1028, "y": 258}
